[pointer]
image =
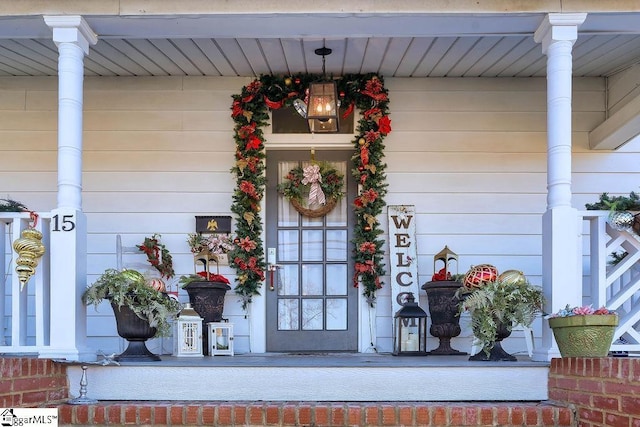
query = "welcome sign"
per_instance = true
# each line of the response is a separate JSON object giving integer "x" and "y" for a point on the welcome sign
{"x": 402, "y": 254}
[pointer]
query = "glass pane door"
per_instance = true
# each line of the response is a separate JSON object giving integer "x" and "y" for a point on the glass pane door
{"x": 310, "y": 303}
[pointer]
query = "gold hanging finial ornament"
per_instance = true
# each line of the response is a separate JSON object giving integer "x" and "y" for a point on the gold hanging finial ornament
{"x": 30, "y": 249}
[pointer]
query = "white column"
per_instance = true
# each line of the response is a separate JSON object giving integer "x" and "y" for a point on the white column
{"x": 68, "y": 249}
{"x": 72, "y": 35}
{"x": 561, "y": 251}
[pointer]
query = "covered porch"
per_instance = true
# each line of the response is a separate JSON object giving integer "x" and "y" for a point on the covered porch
{"x": 566, "y": 249}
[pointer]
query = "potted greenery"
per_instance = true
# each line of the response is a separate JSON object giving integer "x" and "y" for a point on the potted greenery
{"x": 140, "y": 302}
{"x": 583, "y": 331}
{"x": 141, "y": 311}
{"x": 495, "y": 308}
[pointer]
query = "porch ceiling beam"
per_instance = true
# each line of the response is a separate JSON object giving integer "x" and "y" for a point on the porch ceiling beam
{"x": 618, "y": 129}
{"x": 332, "y": 25}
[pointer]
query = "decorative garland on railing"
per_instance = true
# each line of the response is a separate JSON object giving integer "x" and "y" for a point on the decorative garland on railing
{"x": 250, "y": 115}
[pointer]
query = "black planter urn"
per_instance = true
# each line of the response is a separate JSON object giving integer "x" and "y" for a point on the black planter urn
{"x": 497, "y": 353}
{"x": 207, "y": 299}
{"x": 443, "y": 309}
{"x": 136, "y": 331}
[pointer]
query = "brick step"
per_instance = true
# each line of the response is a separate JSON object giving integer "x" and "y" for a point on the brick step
{"x": 459, "y": 414}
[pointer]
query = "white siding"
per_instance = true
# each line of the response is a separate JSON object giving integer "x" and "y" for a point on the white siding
{"x": 470, "y": 154}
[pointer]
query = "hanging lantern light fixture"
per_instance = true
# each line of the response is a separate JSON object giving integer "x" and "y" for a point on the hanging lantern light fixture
{"x": 322, "y": 107}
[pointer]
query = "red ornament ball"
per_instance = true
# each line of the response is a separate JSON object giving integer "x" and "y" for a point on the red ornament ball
{"x": 157, "y": 284}
{"x": 367, "y": 228}
{"x": 478, "y": 275}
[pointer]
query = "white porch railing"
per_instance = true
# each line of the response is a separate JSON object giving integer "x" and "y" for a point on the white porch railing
{"x": 616, "y": 287}
{"x": 24, "y": 314}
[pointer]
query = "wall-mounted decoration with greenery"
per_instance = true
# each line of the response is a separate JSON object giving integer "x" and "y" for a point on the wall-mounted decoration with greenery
{"x": 616, "y": 203}
{"x": 250, "y": 114}
{"x": 621, "y": 211}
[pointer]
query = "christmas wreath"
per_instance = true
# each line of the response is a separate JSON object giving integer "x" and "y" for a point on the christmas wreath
{"x": 249, "y": 112}
{"x": 158, "y": 256}
{"x": 318, "y": 183}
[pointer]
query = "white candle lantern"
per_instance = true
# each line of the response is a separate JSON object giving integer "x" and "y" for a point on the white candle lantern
{"x": 220, "y": 336}
{"x": 187, "y": 333}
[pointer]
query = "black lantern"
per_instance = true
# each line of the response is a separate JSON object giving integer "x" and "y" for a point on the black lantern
{"x": 410, "y": 329}
{"x": 322, "y": 108}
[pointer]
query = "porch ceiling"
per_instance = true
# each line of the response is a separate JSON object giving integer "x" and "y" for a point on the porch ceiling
{"x": 392, "y": 44}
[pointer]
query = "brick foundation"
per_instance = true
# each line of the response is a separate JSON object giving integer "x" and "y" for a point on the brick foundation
{"x": 587, "y": 392}
{"x": 31, "y": 382}
{"x": 603, "y": 391}
{"x": 318, "y": 414}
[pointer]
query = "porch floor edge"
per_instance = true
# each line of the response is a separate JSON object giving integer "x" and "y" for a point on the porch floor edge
{"x": 315, "y": 378}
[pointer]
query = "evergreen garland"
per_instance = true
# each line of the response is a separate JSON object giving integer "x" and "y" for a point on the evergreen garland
{"x": 250, "y": 115}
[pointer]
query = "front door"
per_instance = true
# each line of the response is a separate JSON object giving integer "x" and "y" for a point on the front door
{"x": 311, "y": 303}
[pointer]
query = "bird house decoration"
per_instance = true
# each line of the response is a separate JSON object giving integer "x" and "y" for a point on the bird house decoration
{"x": 410, "y": 329}
{"x": 443, "y": 265}
{"x": 187, "y": 333}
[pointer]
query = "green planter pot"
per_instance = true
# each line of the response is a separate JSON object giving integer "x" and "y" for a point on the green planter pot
{"x": 584, "y": 336}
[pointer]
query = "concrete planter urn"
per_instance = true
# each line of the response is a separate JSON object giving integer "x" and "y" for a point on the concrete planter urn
{"x": 584, "y": 336}
{"x": 444, "y": 308}
{"x": 136, "y": 331}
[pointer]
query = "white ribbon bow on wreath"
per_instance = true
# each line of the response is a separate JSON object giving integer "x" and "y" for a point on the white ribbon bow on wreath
{"x": 311, "y": 175}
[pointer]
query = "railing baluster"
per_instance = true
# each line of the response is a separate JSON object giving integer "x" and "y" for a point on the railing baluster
{"x": 29, "y": 315}
{"x": 617, "y": 287}
{"x": 4, "y": 225}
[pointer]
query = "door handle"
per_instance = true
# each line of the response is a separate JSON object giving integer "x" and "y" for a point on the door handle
{"x": 272, "y": 268}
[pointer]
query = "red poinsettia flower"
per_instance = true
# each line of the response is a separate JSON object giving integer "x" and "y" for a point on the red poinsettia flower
{"x": 249, "y": 189}
{"x": 384, "y": 125}
{"x": 374, "y": 85}
{"x": 254, "y": 86}
{"x": 369, "y": 195}
{"x": 247, "y": 244}
{"x": 236, "y": 109}
{"x": 369, "y": 247}
{"x": 213, "y": 277}
{"x": 254, "y": 143}
{"x": 247, "y": 130}
{"x": 371, "y": 136}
